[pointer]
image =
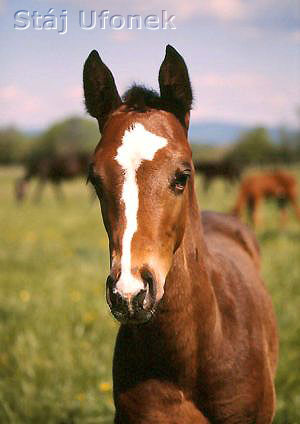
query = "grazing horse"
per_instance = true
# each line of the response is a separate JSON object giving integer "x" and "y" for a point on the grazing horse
{"x": 212, "y": 169}
{"x": 197, "y": 341}
{"x": 278, "y": 185}
{"x": 54, "y": 169}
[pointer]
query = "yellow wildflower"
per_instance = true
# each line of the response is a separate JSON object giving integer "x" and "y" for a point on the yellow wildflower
{"x": 24, "y": 296}
{"x": 104, "y": 387}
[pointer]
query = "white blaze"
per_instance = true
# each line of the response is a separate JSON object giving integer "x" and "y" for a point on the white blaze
{"x": 138, "y": 144}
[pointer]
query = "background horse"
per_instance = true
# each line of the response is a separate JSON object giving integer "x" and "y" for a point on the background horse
{"x": 224, "y": 168}
{"x": 278, "y": 185}
{"x": 197, "y": 341}
{"x": 54, "y": 169}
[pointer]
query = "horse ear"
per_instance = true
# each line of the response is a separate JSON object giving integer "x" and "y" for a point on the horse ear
{"x": 100, "y": 91}
{"x": 175, "y": 86}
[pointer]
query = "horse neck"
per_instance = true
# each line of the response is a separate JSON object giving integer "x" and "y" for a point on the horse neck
{"x": 189, "y": 304}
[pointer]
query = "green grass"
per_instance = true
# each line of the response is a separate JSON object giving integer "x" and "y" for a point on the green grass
{"x": 56, "y": 333}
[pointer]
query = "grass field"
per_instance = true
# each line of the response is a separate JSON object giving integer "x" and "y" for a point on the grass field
{"x": 56, "y": 333}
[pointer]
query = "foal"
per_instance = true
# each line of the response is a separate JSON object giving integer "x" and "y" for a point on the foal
{"x": 55, "y": 169}
{"x": 197, "y": 341}
{"x": 212, "y": 169}
{"x": 278, "y": 185}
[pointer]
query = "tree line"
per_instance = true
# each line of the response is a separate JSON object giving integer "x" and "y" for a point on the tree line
{"x": 75, "y": 134}
{"x": 71, "y": 135}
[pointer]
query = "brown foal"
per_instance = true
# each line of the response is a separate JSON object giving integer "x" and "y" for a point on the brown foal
{"x": 278, "y": 185}
{"x": 197, "y": 341}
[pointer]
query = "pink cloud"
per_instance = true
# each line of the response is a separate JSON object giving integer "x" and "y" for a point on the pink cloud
{"x": 17, "y": 104}
{"x": 122, "y": 36}
{"x": 8, "y": 92}
{"x": 74, "y": 93}
{"x": 223, "y": 9}
{"x": 21, "y": 107}
{"x": 246, "y": 97}
{"x": 295, "y": 37}
{"x": 183, "y": 10}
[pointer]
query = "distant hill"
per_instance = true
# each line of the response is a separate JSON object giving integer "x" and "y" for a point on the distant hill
{"x": 33, "y": 132}
{"x": 209, "y": 132}
{"x": 219, "y": 133}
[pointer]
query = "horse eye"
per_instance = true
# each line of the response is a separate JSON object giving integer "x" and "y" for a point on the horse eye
{"x": 96, "y": 182}
{"x": 91, "y": 175}
{"x": 181, "y": 180}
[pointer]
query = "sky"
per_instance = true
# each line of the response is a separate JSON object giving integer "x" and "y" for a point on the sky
{"x": 243, "y": 56}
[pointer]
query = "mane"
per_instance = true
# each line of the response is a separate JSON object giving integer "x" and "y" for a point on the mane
{"x": 140, "y": 98}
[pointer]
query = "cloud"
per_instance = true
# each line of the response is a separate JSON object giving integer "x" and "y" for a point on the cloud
{"x": 247, "y": 97}
{"x": 278, "y": 15}
{"x": 122, "y": 36}
{"x": 235, "y": 80}
{"x": 21, "y": 107}
{"x": 74, "y": 93}
{"x": 224, "y": 9}
{"x": 16, "y": 102}
{"x": 257, "y": 13}
{"x": 183, "y": 10}
{"x": 295, "y": 37}
{"x": 219, "y": 9}
{"x": 8, "y": 92}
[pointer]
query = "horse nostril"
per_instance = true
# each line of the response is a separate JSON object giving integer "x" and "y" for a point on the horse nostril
{"x": 138, "y": 300}
{"x": 149, "y": 281}
{"x": 112, "y": 296}
{"x": 116, "y": 298}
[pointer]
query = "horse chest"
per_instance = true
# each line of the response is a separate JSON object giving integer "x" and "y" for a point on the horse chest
{"x": 149, "y": 354}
